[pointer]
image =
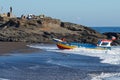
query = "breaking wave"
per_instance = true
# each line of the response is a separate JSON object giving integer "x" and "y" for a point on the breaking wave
{"x": 107, "y": 56}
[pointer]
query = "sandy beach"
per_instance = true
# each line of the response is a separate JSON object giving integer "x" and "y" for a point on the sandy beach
{"x": 10, "y": 47}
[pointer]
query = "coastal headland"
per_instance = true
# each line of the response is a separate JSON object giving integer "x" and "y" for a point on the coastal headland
{"x": 41, "y": 29}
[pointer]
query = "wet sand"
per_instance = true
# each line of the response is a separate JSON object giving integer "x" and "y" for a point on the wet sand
{"x": 11, "y": 47}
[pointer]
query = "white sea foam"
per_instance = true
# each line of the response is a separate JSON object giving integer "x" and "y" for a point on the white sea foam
{"x": 4, "y": 79}
{"x": 35, "y": 67}
{"x": 107, "y": 56}
{"x": 106, "y": 76}
{"x": 43, "y": 46}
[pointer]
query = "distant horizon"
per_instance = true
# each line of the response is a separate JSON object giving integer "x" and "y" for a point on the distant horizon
{"x": 104, "y": 26}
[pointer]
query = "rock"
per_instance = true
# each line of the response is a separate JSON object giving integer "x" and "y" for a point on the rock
{"x": 42, "y": 30}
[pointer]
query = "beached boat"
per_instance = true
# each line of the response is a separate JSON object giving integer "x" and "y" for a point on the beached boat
{"x": 102, "y": 44}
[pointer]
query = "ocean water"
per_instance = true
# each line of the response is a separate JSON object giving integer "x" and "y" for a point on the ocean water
{"x": 50, "y": 63}
{"x": 107, "y": 29}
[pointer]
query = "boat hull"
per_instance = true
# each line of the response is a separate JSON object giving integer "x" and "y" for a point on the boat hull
{"x": 64, "y": 46}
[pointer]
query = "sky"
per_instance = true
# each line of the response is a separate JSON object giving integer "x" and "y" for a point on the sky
{"x": 85, "y": 12}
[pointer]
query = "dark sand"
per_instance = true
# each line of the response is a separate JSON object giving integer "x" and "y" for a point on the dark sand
{"x": 11, "y": 47}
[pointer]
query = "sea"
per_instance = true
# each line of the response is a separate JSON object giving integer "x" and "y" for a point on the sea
{"x": 51, "y": 63}
{"x": 107, "y": 29}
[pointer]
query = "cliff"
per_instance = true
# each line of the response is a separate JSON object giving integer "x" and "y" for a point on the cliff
{"x": 42, "y": 30}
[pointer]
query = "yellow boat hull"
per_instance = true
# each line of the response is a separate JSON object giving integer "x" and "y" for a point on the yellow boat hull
{"x": 64, "y": 46}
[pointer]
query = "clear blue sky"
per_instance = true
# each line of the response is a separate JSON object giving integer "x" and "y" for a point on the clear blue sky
{"x": 85, "y": 12}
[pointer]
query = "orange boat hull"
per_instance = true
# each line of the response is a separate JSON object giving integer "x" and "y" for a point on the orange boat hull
{"x": 64, "y": 46}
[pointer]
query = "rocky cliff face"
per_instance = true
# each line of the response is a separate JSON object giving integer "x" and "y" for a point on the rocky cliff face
{"x": 44, "y": 29}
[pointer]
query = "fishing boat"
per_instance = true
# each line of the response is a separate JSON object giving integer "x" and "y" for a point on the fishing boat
{"x": 102, "y": 44}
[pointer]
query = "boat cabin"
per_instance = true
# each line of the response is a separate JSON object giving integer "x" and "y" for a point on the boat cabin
{"x": 104, "y": 43}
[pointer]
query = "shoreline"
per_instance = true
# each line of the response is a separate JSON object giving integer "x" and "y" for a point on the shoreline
{"x": 11, "y": 47}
